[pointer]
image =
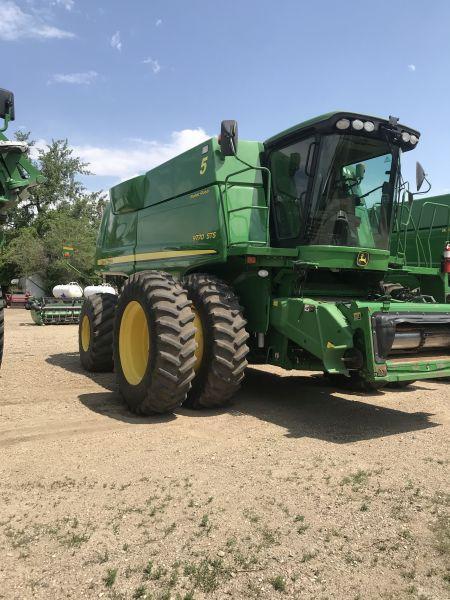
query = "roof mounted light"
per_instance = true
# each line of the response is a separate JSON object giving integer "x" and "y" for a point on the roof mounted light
{"x": 343, "y": 124}
{"x": 369, "y": 126}
{"x": 414, "y": 139}
{"x": 357, "y": 124}
{"x": 406, "y": 136}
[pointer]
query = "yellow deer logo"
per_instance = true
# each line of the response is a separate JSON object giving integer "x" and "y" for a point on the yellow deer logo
{"x": 362, "y": 260}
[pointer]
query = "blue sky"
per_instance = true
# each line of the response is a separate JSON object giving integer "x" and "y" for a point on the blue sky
{"x": 131, "y": 83}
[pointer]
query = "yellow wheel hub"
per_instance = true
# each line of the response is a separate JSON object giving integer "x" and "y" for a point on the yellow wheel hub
{"x": 85, "y": 333}
{"x": 134, "y": 343}
{"x": 199, "y": 338}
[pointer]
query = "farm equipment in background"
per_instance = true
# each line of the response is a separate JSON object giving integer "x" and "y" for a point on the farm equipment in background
{"x": 63, "y": 308}
{"x": 420, "y": 247}
{"x": 17, "y": 175}
{"x": 272, "y": 252}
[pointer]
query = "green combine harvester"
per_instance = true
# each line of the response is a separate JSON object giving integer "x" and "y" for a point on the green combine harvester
{"x": 270, "y": 252}
{"x": 421, "y": 247}
{"x": 17, "y": 175}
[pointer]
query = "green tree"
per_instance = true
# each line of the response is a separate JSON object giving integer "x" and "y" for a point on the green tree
{"x": 56, "y": 212}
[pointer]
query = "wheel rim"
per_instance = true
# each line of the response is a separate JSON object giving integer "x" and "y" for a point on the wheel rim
{"x": 199, "y": 338}
{"x": 134, "y": 343}
{"x": 85, "y": 333}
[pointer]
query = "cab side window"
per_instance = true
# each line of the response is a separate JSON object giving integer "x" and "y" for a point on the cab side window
{"x": 291, "y": 182}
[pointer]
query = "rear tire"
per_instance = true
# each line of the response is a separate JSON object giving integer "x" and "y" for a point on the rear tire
{"x": 154, "y": 343}
{"x": 222, "y": 361}
{"x": 95, "y": 332}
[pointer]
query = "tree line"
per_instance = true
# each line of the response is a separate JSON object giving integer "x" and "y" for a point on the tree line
{"x": 56, "y": 213}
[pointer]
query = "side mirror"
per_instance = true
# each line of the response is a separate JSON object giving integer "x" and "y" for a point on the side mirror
{"x": 294, "y": 163}
{"x": 6, "y": 104}
{"x": 228, "y": 139}
{"x": 420, "y": 175}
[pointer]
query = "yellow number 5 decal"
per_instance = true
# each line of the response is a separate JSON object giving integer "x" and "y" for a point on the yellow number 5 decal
{"x": 203, "y": 165}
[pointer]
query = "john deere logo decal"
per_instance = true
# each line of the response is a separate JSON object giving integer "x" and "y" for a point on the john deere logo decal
{"x": 362, "y": 260}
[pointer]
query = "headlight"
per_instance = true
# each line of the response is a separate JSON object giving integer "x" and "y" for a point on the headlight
{"x": 343, "y": 124}
{"x": 414, "y": 139}
{"x": 406, "y": 137}
{"x": 369, "y": 126}
{"x": 357, "y": 124}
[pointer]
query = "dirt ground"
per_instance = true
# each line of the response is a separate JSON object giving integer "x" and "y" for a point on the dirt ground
{"x": 298, "y": 491}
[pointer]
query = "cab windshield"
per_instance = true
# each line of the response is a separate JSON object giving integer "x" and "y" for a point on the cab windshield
{"x": 346, "y": 201}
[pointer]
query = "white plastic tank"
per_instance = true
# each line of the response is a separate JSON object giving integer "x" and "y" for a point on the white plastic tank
{"x": 104, "y": 288}
{"x": 68, "y": 290}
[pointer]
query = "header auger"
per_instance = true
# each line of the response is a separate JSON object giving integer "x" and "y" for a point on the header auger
{"x": 272, "y": 252}
{"x": 17, "y": 175}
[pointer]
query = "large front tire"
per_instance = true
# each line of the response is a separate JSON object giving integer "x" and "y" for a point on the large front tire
{"x": 221, "y": 342}
{"x": 154, "y": 343}
{"x": 95, "y": 332}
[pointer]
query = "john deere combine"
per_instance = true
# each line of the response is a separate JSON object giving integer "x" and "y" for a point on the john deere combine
{"x": 270, "y": 252}
{"x": 17, "y": 175}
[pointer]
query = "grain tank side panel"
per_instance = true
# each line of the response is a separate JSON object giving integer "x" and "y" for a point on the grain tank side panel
{"x": 182, "y": 233}
{"x": 116, "y": 242}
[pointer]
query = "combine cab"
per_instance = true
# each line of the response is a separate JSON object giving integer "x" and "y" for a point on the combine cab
{"x": 272, "y": 252}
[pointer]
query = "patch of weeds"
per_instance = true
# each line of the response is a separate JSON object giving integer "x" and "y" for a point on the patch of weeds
{"x": 207, "y": 574}
{"x": 204, "y": 523}
{"x": 110, "y": 577}
{"x": 364, "y": 507}
{"x": 168, "y": 530}
{"x": 268, "y": 537}
{"x": 245, "y": 562}
{"x": 406, "y": 534}
{"x": 357, "y": 479}
{"x": 352, "y": 559}
{"x": 299, "y": 519}
{"x": 307, "y": 556}
{"x": 231, "y": 543}
{"x": 158, "y": 573}
{"x": 173, "y": 578}
{"x": 74, "y": 540}
{"x": 148, "y": 569}
{"x": 251, "y": 515}
{"x": 408, "y": 574}
{"x": 441, "y": 530}
{"x": 302, "y": 528}
{"x": 278, "y": 583}
{"x": 139, "y": 592}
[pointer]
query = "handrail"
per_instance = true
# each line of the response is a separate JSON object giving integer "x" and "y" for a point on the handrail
{"x": 422, "y": 249}
{"x": 233, "y": 210}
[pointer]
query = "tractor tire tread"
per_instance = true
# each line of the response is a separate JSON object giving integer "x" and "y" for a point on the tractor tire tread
{"x": 225, "y": 353}
{"x": 100, "y": 310}
{"x": 172, "y": 337}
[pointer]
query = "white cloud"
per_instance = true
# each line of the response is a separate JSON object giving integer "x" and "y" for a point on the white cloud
{"x": 158, "y": 22}
{"x": 125, "y": 162}
{"x": 154, "y": 64}
{"x": 116, "y": 42}
{"x": 67, "y": 4}
{"x": 16, "y": 24}
{"x": 85, "y": 78}
{"x": 412, "y": 67}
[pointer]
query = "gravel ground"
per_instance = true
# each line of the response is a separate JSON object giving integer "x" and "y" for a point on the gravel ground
{"x": 299, "y": 490}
